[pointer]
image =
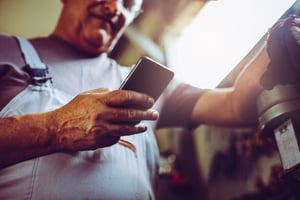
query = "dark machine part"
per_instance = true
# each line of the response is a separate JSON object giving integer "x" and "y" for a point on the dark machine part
{"x": 279, "y": 104}
{"x": 279, "y": 117}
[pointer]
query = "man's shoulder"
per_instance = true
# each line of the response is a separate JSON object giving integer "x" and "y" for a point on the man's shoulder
{"x": 4, "y": 36}
{"x": 7, "y": 41}
{"x": 9, "y": 48}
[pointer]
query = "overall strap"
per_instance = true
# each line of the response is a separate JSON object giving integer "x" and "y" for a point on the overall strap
{"x": 37, "y": 70}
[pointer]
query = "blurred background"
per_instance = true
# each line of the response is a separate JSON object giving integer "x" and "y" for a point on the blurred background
{"x": 207, "y": 43}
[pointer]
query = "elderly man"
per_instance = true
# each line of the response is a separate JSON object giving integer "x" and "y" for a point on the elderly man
{"x": 63, "y": 135}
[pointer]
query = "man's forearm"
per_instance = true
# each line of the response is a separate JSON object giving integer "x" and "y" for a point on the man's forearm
{"x": 24, "y": 137}
{"x": 248, "y": 86}
{"x": 234, "y": 106}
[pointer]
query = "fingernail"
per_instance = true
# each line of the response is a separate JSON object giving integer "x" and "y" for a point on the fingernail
{"x": 141, "y": 127}
{"x": 151, "y": 100}
{"x": 155, "y": 114}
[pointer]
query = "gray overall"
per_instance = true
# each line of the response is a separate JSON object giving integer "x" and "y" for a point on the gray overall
{"x": 107, "y": 173}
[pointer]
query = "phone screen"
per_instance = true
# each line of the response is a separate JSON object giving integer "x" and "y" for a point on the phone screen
{"x": 149, "y": 77}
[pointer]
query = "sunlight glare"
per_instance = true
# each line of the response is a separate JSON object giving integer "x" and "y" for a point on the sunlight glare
{"x": 220, "y": 36}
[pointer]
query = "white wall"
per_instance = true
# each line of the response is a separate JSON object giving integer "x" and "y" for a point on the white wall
{"x": 29, "y": 18}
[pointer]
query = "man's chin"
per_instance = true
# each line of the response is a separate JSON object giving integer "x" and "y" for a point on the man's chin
{"x": 96, "y": 43}
{"x": 94, "y": 47}
{"x": 90, "y": 49}
{"x": 93, "y": 51}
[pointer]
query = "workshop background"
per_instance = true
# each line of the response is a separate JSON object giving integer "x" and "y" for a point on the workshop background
{"x": 210, "y": 163}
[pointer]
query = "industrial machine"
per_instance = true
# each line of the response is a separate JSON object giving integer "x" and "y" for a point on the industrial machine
{"x": 279, "y": 104}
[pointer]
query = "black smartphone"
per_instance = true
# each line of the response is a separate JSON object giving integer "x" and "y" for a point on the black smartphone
{"x": 148, "y": 76}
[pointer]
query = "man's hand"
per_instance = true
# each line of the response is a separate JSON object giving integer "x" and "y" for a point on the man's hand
{"x": 99, "y": 118}
{"x": 283, "y": 46}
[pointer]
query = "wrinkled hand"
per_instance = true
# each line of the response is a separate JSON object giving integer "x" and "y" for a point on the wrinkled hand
{"x": 99, "y": 118}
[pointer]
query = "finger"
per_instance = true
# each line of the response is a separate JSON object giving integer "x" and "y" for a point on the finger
{"x": 117, "y": 130}
{"x": 127, "y": 115}
{"x": 94, "y": 142}
{"x": 98, "y": 91}
{"x": 129, "y": 99}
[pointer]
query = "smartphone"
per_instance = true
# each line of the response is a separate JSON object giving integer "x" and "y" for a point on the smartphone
{"x": 149, "y": 77}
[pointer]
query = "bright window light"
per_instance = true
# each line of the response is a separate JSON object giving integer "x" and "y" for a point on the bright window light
{"x": 220, "y": 36}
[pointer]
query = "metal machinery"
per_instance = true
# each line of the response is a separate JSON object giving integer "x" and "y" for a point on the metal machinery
{"x": 279, "y": 104}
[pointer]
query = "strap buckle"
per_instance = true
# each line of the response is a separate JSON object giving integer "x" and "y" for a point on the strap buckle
{"x": 39, "y": 76}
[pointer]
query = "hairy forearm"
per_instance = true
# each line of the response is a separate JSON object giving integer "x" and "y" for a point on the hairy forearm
{"x": 248, "y": 87}
{"x": 234, "y": 106}
{"x": 25, "y": 137}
